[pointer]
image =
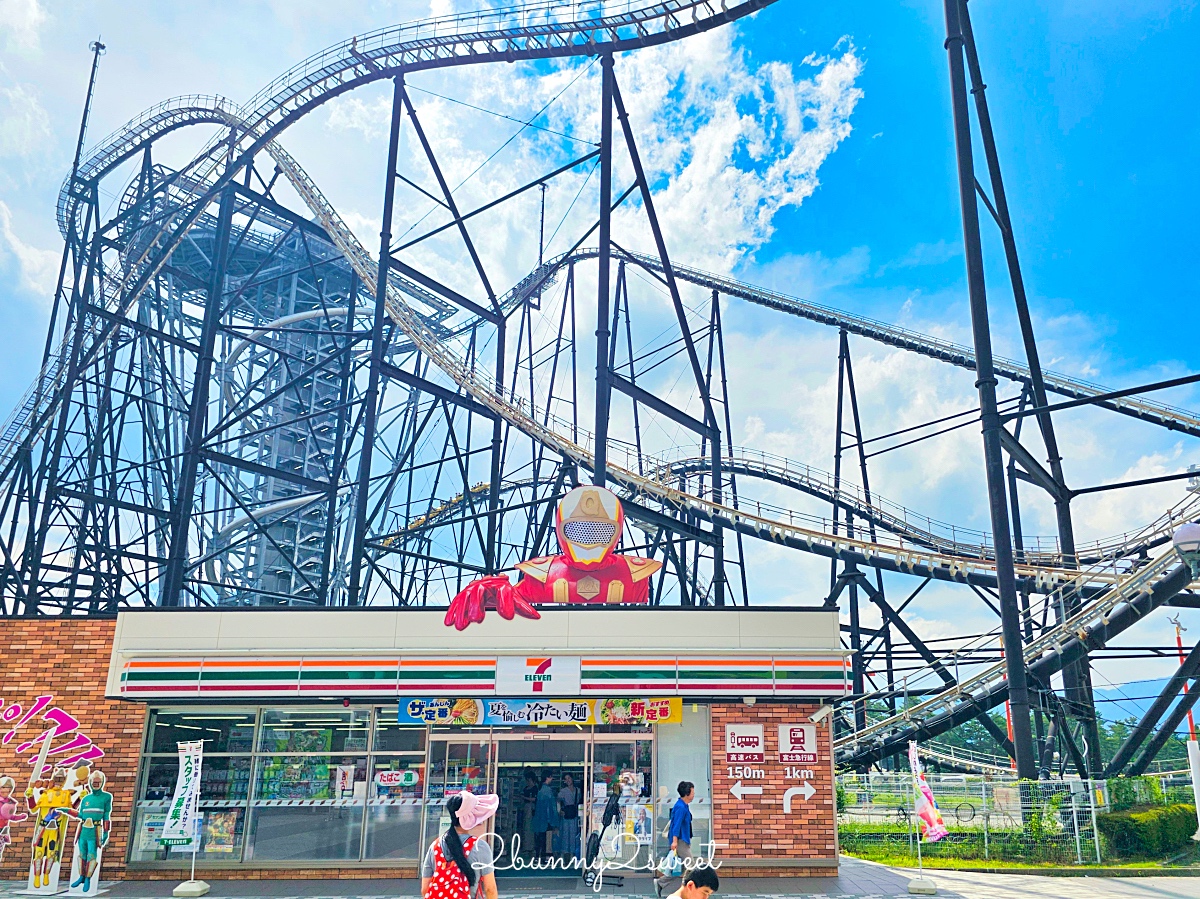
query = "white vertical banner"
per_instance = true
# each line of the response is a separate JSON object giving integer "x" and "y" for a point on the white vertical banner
{"x": 184, "y": 813}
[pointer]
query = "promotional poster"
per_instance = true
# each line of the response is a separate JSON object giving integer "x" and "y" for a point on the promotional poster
{"x": 478, "y": 712}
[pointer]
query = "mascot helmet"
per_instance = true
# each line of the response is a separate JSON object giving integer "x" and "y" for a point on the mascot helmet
{"x": 589, "y": 524}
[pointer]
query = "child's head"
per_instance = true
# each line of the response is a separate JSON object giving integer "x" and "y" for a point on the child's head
{"x": 700, "y": 883}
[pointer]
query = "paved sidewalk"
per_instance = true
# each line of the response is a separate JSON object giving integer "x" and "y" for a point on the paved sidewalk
{"x": 857, "y": 879}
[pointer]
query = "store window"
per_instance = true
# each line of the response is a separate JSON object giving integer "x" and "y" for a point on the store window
{"x": 288, "y": 784}
{"x": 301, "y": 730}
{"x": 228, "y": 737}
{"x": 231, "y": 731}
{"x": 685, "y": 753}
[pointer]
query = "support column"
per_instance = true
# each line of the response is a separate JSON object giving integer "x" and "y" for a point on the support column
{"x": 371, "y": 399}
{"x": 172, "y": 585}
{"x": 1018, "y": 687}
{"x": 1077, "y": 680}
{"x": 599, "y": 476}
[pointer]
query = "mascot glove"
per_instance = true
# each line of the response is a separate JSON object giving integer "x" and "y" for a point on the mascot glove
{"x": 493, "y": 593}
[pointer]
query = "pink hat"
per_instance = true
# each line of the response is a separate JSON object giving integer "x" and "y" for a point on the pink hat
{"x": 476, "y": 809}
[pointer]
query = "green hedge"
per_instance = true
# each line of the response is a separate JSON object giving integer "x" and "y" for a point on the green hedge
{"x": 1129, "y": 792}
{"x": 1152, "y": 833}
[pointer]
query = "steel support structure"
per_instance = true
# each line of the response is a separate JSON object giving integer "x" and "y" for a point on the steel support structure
{"x": 1018, "y": 689}
{"x": 227, "y": 422}
{"x": 1189, "y": 668}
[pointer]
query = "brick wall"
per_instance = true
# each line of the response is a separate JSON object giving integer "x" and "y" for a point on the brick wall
{"x": 68, "y": 659}
{"x": 755, "y": 827}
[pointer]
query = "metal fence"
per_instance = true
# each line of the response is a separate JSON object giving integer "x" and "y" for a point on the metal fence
{"x": 1049, "y": 822}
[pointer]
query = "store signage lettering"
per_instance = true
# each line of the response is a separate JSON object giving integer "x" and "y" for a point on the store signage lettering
{"x": 798, "y": 743}
{"x": 745, "y": 743}
{"x": 397, "y": 778}
{"x": 502, "y": 712}
{"x": 466, "y": 712}
{"x": 75, "y": 747}
{"x": 538, "y": 675}
{"x": 541, "y": 673}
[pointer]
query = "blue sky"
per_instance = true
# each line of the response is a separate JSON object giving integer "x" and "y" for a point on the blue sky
{"x": 1093, "y": 105}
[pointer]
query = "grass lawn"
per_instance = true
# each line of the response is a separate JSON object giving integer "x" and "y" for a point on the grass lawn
{"x": 908, "y": 861}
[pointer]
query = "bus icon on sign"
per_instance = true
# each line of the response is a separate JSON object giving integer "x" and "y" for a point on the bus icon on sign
{"x": 798, "y": 743}
{"x": 744, "y": 743}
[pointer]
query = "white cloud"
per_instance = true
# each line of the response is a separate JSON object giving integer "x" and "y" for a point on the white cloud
{"x": 38, "y": 267}
{"x": 365, "y": 227}
{"x": 370, "y": 118}
{"x": 24, "y": 124}
{"x": 730, "y": 144}
{"x": 20, "y": 23}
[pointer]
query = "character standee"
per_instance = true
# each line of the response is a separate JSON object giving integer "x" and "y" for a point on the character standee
{"x": 589, "y": 521}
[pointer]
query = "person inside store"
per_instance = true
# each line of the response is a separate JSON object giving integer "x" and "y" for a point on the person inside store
{"x": 461, "y": 858}
{"x": 568, "y": 813}
{"x": 679, "y": 832}
{"x": 529, "y": 801}
{"x": 699, "y": 883}
{"x": 545, "y": 816}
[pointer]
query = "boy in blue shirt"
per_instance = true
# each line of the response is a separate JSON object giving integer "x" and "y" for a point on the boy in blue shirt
{"x": 679, "y": 832}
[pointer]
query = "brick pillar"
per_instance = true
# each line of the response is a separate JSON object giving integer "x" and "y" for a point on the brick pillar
{"x": 754, "y": 836}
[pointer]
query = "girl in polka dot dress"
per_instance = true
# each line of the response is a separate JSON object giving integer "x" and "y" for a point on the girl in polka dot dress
{"x": 459, "y": 863}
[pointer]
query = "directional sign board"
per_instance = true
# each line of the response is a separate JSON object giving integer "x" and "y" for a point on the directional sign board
{"x": 798, "y": 743}
{"x": 745, "y": 743}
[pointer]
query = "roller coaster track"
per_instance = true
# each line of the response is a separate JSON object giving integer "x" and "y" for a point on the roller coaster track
{"x": 912, "y": 526}
{"x": 290, "y": 92}
{"x": 965, "y": 759}
{"x": 1127, "y": 601}
{"x": 894, "y": 519}
{"x": 1161, "y": 414}
{"x": 550, "y": 29}
{"x": 783, "y": 527}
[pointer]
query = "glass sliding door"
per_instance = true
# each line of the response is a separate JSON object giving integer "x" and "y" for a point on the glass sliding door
{"x": 622, "y": 767}
{"x": 546, "y": 772}
{"x": 455, "y": 763}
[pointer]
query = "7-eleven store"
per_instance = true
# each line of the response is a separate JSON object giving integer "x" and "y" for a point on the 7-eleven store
{"x": 333, "y": 737}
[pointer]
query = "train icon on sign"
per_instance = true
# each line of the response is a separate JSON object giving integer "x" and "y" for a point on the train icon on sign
{"x": 798, "y": 743}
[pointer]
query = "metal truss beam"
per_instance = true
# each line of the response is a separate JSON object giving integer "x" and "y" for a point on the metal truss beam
{"x": 1188, "y": 669}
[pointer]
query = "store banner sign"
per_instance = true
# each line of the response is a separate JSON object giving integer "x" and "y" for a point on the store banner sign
{"x": 745, "y": 743}
{"x": 538, "y": 675}
{"x": 798, "y": 743}
{"x": 517, "y": 711}
{"x": 183, "y": 815}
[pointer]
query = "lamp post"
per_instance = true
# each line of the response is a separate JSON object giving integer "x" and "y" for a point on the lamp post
{"x": 1187, "y": 543}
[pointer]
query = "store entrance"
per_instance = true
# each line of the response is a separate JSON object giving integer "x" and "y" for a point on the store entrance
{"x": 575, "y": 775}
{"x": 540, "y": 780}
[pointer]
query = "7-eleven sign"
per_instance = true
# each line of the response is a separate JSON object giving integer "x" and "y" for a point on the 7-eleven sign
{"x": 537, "y": 675}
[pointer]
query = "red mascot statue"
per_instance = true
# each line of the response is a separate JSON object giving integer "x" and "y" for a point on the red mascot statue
{"x": 589, "y": 523}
